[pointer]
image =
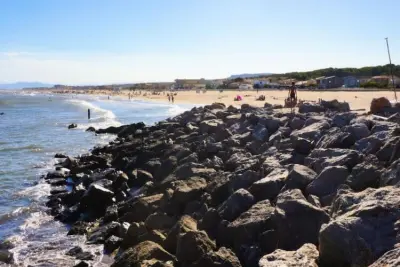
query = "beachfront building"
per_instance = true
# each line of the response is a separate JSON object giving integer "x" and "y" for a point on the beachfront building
{"x": 351, "y": 82}
{"x": 329, "y": 82}
{"x": 261, "y": 83}
{"x": 245, "y": 86}
{"x": 386, "y": 80}
{"x": 190, "y": 83}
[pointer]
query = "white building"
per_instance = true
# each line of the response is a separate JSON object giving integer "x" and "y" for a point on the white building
{"x": 244, "y": 86}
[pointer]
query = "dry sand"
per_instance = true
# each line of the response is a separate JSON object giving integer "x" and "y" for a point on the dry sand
{"x": 356, "y": 99}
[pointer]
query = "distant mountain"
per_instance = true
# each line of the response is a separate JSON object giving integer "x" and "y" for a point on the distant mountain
{"x": 248, "y": 75}
{"x": 22, "y": 85}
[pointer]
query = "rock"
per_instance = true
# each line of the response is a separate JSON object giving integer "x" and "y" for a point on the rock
{"x": 240, "y": 201}
{"x": 299, "y": 177}
{"x": 96, "y": 199}
{"x": 210, "y": 222}
{"x": 245, "y": 229}
{"x": 296, "y": 123}
{"x": 142, "y": 177}
{"x": 312, "y": 132}
{"x": 112, "y": 243}
{"x": 60, "y": 156}
{"x": 364, "y": 175}
{"x": 390, "y": 150}
{"x": 142, "y": 208}
{"x": 99, "y": 235}
{"x": 314, "y": 200}
{"x": 79, "y": 228}
{"x": 308, "y": 108}
{"x": 391, "y": 176}
{"x": 336, "y": 138}
{"x": 134, "y": 234}
{"x": 188, "y": 190}
{"x": 390, "y": 258}
{"x": 146, "y": 250}
{"x": 209, "y": 126}
{"x": 182, "y": 226}
{"x": 270, "y": 186}
{"x": 244, "y": 180}
{"x": 358, "y": 130}
{"x": 342, "y": 119}
{"x": 335, "y": 105}
{"x": 260, "y": 133}
{"x": 72, "y": 126}
{"x": 224, "y": 257}
{"x": 298, "y": 222}
{"x": 111, "y": 214}
{"x": 379, "y": 105}
{"x": 272, "y": 124}
{"x": 6, "y": 256}
{"x": 302, "y": 145}
{"x": 320, "y": 158}
{"x": 305, "y": 256}
{"x": 328, "y": 181}
{"x": 368, "y": 145}
{"x": 82, "y": 264}
{"x": 363, "y": 227}
{"x": 90, "y": 129}
{"x": 159, "y": 221}
{"x": 192, "y": 246}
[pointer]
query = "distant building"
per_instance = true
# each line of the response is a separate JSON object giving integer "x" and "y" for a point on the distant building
{"x": 190, "y": 83}
{"x": 245, "y": 86}
{"x": 351, "y": 82}
{"x": 385, "y": 79}
{"x": 262, "y": 83}
{"x": 330, "y": 82}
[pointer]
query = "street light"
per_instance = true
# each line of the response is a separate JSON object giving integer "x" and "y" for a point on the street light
{"x": 391, "y": 68}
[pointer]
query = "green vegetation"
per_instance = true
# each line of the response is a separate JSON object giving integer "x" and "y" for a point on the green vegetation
{"x": 374, "y": 84}
{"x": 342, "y": 72}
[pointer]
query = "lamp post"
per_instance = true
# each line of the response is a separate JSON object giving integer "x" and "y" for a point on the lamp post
{"x": 391, "y": 68}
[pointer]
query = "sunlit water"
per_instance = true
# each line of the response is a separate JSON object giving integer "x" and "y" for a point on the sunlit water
{"x": 34, "y": 128}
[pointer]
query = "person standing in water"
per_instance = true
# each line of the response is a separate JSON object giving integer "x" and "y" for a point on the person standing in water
{"x": 169, "y": 98}
{"x": 172, "y": 98}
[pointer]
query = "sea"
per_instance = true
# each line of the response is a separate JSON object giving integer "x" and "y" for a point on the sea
{"x": 33, "y": 128}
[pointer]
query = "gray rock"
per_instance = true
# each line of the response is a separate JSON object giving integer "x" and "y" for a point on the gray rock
{"x": 192, "y": 246}
{"x": 363, "y": 227}
{"x": 312, "y": 132}
{"x": 308, "y": 108}
{"x": 370, "y": 144}
{"x": 336, "y": 138}
{"x": 320, "y": 158}
{"x": 328, "y": 181}
{"x": 335, "y": 105}
{"x": 358, "y": 130}
{"x": 302, "y": 145}
{"x": 364, "y": 175}
{"x": 182, "y": 226}
{"x": 391, "y": 176}
{"x": 296, "y": 123}
{"x": 210, "y": 126}
{"x": 224, "y": 257}
{"x": 260, "y": 133}
{"x": 270, "y": 186}
{"x": 240, "y": 201}
{"x": 343, "y": 119}
{"x": 390, "y": 150}
{"x": 96, "y": 199}
{"x": 298, "y": 222}
{"x": 390, "y": 258}
{"x": 305, "y": 256}
{"x": 299, "y": 177}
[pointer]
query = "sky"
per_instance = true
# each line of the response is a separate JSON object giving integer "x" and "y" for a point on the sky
{"x": 125, "y": 41}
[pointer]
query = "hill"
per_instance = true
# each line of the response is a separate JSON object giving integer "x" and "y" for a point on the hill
{"x": 22, "y": 85}
{"x": 342, "y": 72}
{"x": 249, "y": 75}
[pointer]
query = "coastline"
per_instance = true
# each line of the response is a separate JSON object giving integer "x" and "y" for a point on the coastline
{"x": 358, "y": 99}
{"x": 158, "y": 194}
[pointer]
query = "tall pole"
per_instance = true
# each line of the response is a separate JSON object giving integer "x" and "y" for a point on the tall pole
{"x": 391, "y": 68}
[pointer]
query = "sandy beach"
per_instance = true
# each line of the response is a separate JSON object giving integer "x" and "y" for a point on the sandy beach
{"x": 357, "y": 99}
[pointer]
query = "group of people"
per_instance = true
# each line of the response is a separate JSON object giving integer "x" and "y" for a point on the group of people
{"x": 170, "y": 97}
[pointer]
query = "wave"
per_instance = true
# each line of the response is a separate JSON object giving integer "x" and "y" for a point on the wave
{"x": 32, "y": 148}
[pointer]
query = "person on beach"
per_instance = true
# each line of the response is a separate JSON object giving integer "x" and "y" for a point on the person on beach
{"x": 172, "y": 98}
{"x": 293, "y": 93}
{"x": 169, "y": 98}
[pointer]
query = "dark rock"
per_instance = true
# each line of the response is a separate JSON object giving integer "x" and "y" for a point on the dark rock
{"x": 79, "y": 228}
{"x": 296, "y": 123}
{"x": 308, "y": 108}
{"x": 6, "y": 256}
{"x": 99, "y": 235}
{"x": 159, "y": 221}
{"x": 82, "y": 264}
{"x": 312, "y": 132}
{"x": 192, "y": 246}
{"x": 390, "y": 150}
{"x": 391, "y": 176}
{"x": 336, "y": 138}
{"x": 335, "y": 105}
{"x": 60, "y": 156}
{"x": 90, "y": 129}
{"x": 260, "y": 133}
{"x": 298, "y": 222}
{"x": 134, "y": 234}
{"x": 390, "y": 258}
{"x": 146, "y": 250}
{"x": 96, "y": 199}
{"x": 182, "y": 226}
{"x": 74, "y": 251}
{"x": 320, "y": 158}
{"x": 188, "y": 190}
{"x": 244, "y": 180}
{"x": 72, "y": 126}
{"x": 142, "y": 208}
{"x": 112, "y": 243}
{"x": 358, "y": 130}
{"x": 224, "y": 257}
{"x": 111, "y": 214}
{"x": 364, "y": 175}
{"x": 210, "y": 222}
{"x": 305, "y": 256}
{"x": 236, "y": 204}
{"x": 270, "y": 186}
{"x": 328, "y": 181}
{"x": 342, "y": 119}
{"x": 299, "y": 177}
{"x": 370, "y": 144}
{"x": 209, "y": 126}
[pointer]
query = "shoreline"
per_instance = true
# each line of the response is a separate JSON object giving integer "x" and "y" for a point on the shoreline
{"x": 248, "y": 172}
{"x": 358, "y": 99}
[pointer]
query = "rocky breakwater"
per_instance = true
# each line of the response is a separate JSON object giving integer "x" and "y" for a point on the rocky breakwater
{"x": 222, "y": 186}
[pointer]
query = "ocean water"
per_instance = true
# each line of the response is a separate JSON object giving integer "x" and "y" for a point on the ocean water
{"x": 34, "y": 128}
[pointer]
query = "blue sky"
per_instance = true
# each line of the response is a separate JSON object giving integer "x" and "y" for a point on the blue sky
{"x": 98, "y": 41}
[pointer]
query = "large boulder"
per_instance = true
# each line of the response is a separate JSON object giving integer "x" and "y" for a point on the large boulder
{"x": 260, "y": 133}
{"x": 335, "y": 105}
{"x": 312, "y": 132}
{"x": 159, "y": 221}
{"x": 390, "y": 258}
{"x": 370, "y": 144}
{"x": 390, "y": 150}
{"x": 182, "y": 226}
{"x": 363, "y": 227}
{"x": 299, "y": 177}
{"x": 187, "y": 190}
{"x": 364, "y": 175}
{"x": 146, "y": 250}
{"x": 328, "y": 181}
{"x": 336, "y": 138}
{"x": 270, "y": 186}
{"x": 358, "y": 130}
{"x": 391, "y": 176}
{"x": 224, "y": 257}
{"x": 320, "y": 158}
{"x": 309, "y": 107}
{"x": 240, "y": 201}
{"x": 379, "y": 105}
{"x": 140, "y": 209}
{"x": 96, "y": 199}
{"x": 245, "y": 230}
{"x": 342, "y": 119}
{"x": 192, "y": 246}
{"x": 298, "y": 222}
{"x": 305, "y": 256}
{"x": 210, "y": 126}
